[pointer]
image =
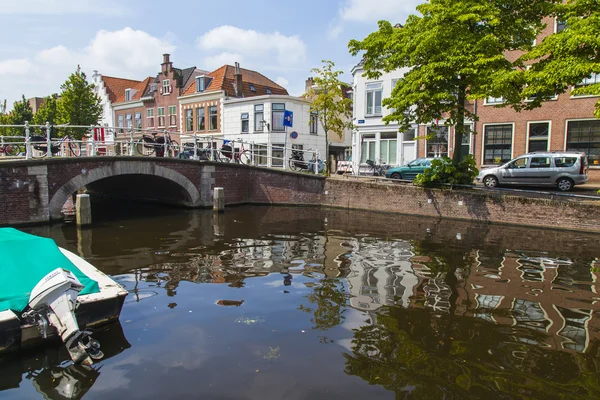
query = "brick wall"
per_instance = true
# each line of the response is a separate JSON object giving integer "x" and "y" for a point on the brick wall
{"x": 476, "y": 206}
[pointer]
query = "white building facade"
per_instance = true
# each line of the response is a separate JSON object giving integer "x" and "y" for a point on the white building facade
{"x": 258, "y": 122}
{"x": 372, "y": 138}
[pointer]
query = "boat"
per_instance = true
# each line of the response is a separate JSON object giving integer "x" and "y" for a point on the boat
{"x": 47, "y": 292}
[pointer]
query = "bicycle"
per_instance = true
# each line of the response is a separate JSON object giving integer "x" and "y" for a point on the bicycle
{"x": 39, "y": 143}
{"x": 238, "y": 156}
{"x": 376, "y": 169}
{"x": 150, "y": 144}
{"x": 297, "y": 162}
{"x": 11, "y": 149}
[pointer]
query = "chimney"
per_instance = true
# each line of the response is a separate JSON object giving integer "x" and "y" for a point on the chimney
{"x": 238, "y": 80}
{"x": 309, "y": 83}
{"x": 167, "y": 65}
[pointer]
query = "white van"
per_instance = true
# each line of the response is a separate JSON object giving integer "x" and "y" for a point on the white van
{"x": 560, "y": 169}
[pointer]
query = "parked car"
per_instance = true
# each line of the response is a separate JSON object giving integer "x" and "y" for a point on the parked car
{"x": 560, "y": 169}
{"x": 410, "y": 170}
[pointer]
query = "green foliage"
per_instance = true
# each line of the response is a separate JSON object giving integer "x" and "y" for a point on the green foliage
{"x": 328, "y": 101}
{"x": 563, "y": 60}
{"x": 452, "y": 52}
{"x": 20, "y": 114}
{"x": 78, "y": 104}
{"x": 329, "y": 298}
{"x": 444, "y": 171}
{"x": 48, "y": 112}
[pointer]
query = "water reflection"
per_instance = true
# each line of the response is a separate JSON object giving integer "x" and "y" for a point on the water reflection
{"x": 404, "y": 303}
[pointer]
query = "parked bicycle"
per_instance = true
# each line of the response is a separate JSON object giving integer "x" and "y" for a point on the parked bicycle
{"x": 238, "y": 156}
{"x": 204, "y": 154}
{"x": 376, "y": 169}
{"x": 11, "y": 149}
{"x": 65, "y": 146}
{"x": 297, "y": 162}
{"x": 153, "y": 144}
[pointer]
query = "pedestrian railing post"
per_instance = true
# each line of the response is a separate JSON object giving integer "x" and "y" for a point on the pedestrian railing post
{"x": 93, "y": 134}
{"x": 48, "y": 141}
{"x": 316, "y": 161}
{"x": 2, "y": 146}
{"x": 27, "y": 142}
{"x": 165, "y": 145}
{"x": 131, "y": 142}
{"x": 195, "y": 147}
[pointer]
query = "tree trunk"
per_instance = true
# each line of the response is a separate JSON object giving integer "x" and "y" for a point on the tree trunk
{"x": 459, "y": 127}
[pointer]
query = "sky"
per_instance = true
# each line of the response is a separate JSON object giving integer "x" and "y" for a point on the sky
{"x": 45, "y": 40}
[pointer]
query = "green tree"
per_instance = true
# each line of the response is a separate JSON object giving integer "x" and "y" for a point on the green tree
{"x": 20, "y": 114}
{"x": 565, "y": 59}
{"x": 453, "y": 52}
{"x": 78, "y": 104}
{"x": 48, "y": 112}
{"x": 327, "y": 99}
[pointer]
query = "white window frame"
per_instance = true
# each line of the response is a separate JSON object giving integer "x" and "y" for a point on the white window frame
{"x": 136, "y": 119}
{"x": 586, "y": 96}
{"x": 427, "y": 127}
{"x": 205, "y": 82}
{"x": 150, "y": 117}
{"x": 495, "y": 101}
{"x": 127, "y": 94}
{"x": 512, "y": 143}
{"x": 530, "y": 99}
{"x": 171, "y": 123}
{"x": 210, "y": 118}
{"x": 471, "y": 126}
{"x": 166, "y": 87}
{"x": 258, "y": 128}
{"x": 566, "y": 133}
{"x": 397, "y": 139}
{"x": 373, "y": 90}
{"x": 313, "y": 128}
{"x": 163, "y": 115}
{"x": 370, "y": 141}
{"x": 549, "y": 122}
{"x": 278, "y": 111}
{"x": 247, "y": 119}
{"x": 556, "y": 25}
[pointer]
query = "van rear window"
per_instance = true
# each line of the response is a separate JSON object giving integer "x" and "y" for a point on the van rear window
{"x": 565, "y": 161}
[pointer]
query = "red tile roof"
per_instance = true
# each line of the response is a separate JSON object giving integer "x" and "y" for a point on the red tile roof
{"x": 116, "y": 86}
{"x": 224, "y": 77}
{"x": 138, "y": 89}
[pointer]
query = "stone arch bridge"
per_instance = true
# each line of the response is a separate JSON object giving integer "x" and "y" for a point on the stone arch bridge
{"x": 35, "y": 191}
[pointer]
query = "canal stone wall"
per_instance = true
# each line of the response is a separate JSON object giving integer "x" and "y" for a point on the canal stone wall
{"x": 462, "y": 204}
{"x": 35, "y": 191}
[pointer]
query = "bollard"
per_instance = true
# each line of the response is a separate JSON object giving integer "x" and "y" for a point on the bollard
{"x": 219, "y": 200}
{"x": 83, "y": 210}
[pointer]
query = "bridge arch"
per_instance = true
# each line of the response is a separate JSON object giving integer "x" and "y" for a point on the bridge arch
{"x": 191, "y": 196}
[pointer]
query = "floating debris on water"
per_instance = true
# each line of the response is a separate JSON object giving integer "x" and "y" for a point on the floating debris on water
{"x": 249, "y": 321}
{"x": 230, "y": 303}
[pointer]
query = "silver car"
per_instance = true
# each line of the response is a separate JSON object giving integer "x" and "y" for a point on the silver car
{"x": 560, "y": 169}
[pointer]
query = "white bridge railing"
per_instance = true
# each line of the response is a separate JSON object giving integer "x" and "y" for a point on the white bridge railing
{"x": 31, "y": 141}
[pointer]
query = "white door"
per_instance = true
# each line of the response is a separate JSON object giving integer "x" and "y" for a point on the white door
{"x": 408, "y": 147}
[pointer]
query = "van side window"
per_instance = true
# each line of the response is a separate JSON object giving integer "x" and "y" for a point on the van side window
{"x": 540, "y": 162}
{"x": 518, "y": 163}
{"x": 565, "y": 161}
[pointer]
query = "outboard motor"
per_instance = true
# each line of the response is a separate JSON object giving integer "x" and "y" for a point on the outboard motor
{"x": 54, "y": 301}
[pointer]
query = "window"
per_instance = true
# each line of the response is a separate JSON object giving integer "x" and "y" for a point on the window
{"x": 259, "y": 113}
{"x": 200, "y": 117}
{"x": 437, "y": 146}
{"x": 593, "y": 79}
{"x": 150, "y": 117}
{"x": 269, "y": 91}
{"x": 212, "y": 118}
{"x": 562, "y": 162}
{"x": 494, "y": 100}
{"x": 138, "y": 120}
{"x": 120, "y": 119}
{"x": 519, "y": 163}
{"x": 277, "y": 155}
{"x": 388, "y": 148}
{"x": 560, "y": 25}
{"x": 127, "y": 94}
{"x": 538, "y": 136}
{"x": 245, "y": 122}
{"x": 202, "y": 83}
{"x": 189, "y": 120}
{"x": 166, "y": 87}
{"x": 314, "y": 123}
{"x": 465, "y": 148}
{"x": 374, "y": 96}
{"x": 367, "y": 148}
{"x": 129, "y": 121}
{"x": 252, "y": 88}
{"x": 539, "y": 162}
{"x": 585, "y": 136}
{"x": 497, "y": 144}
{"x": 277, "y": 111}
{"x": 261, "y": 154}
{"x": 172, "y": 115}
{"x": 161, "y": 116}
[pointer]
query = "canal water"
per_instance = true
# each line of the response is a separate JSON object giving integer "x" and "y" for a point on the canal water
{"x": 303, "y": 303}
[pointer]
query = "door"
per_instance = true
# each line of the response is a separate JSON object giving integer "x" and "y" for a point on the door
{"x": 540, "y": 171}
{"x": 515, "y": 172}
{"x": 408, "y": 151}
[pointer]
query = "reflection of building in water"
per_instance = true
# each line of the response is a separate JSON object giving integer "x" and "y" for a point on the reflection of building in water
{"x": 544, "y": 299}
{"x": 380, "y": 273}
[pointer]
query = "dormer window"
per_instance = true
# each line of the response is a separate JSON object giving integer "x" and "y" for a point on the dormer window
{"x": 269, "y": 91}
{"x": 127, "y": 94}
{"x": 252, "y": 88}
{"x": 202, "y": 83}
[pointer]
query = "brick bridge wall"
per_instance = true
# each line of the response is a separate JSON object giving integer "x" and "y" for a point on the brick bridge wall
{"x": 34, "y": 191}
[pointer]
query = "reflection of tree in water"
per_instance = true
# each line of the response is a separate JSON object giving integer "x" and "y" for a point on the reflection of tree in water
{"x": 329, "y": 300}
{"x": 409, "y": 353}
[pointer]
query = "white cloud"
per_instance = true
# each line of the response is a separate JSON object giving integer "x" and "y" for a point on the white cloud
{"x": 371, "y": 11}
{"x": 125, "y": 53}
{"x": 281, "y": 81}
{"x": 55, "y": 7}
{"x": 254, "y": 47}
{"x": 218, "y": 60}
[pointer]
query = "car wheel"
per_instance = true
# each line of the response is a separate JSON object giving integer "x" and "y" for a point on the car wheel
{"x": 490, "y": 181}
{"x": 564, "y": 184}
{"x": 396, "y": 175}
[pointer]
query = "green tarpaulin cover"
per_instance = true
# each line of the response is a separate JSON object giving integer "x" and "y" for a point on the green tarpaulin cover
{"x": 24, "y": 260}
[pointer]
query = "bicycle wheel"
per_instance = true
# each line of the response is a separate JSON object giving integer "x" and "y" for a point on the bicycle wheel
{"x": 245, "y": 158}
{"x": 143, "y": 149}
{"x": 12, "y": 149}
{"x": 223, "y": 156}
{"x": 173, "y": 150}
{"x": 74, "y": 149}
